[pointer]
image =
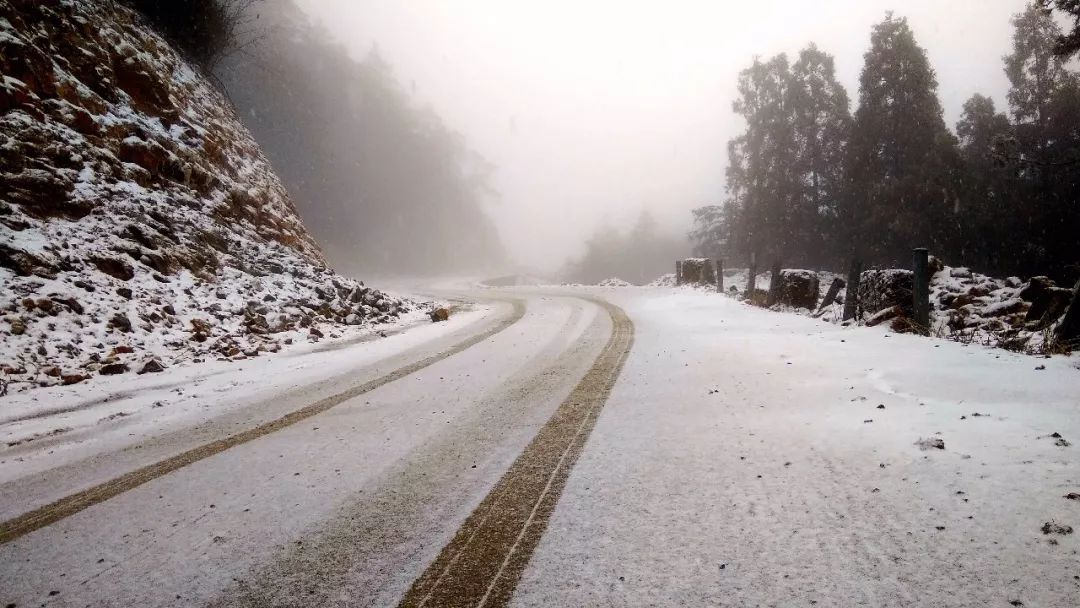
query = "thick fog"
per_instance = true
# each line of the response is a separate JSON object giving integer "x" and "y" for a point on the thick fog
{"x": 592, "y": 111}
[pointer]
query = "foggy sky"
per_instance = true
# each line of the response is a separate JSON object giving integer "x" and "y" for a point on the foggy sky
{"x": 594, "y": 109}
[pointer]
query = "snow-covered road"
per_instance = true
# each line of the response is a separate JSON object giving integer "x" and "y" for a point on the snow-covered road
{"x": 743, "y": 457}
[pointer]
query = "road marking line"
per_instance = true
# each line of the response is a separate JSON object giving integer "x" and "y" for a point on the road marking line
{"x": 73, "y": 503}
{"x": 481, "y": 566}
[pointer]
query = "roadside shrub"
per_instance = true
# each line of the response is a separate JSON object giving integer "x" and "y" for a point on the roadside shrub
{"x": 205, "y": 31}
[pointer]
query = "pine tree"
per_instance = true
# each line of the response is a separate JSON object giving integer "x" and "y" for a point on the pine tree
{"x": 902, "y": 163}
{"x": 1045, "y": 104}
{"x": 767, "y": 182}
{"x": 822, "y": 124}
{"x": 989, "y": 200}
{"x": 1066, "y": 44}
{"x": 1035, "y": 72}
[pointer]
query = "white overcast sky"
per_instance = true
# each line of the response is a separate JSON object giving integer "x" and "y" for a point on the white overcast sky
{"x": 593, "y": 110}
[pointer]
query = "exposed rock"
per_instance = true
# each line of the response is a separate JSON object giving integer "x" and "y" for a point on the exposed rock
{"x": 798, "y": 289}
{"x": 68, "y": 379}
{"x": 152, "y": 366}
{"x": 112, "y": 369}
{"x": 116, "y": 268}
{"x": 122, "y": 165}
{"x": 120, "y": 322}
{"x": 439, "y": 314}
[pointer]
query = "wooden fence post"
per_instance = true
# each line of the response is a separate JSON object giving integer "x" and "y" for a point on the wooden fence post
{"x": 719, "y": 275}
{"x": 678, "y": 272}
{"x": 920, "y": 289}
{"x": 851, "y": 296}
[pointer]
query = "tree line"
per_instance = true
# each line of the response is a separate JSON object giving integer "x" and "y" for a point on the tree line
{"x": 812, "y": 184}
{"x": 637, "y": 256}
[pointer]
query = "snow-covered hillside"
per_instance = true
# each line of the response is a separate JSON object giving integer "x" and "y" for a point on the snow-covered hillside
{"x": 140, "y": 224}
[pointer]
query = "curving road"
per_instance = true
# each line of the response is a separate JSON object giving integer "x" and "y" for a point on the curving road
{"x": 363, "y": 489}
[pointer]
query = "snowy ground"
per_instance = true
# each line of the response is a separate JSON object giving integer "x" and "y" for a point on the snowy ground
{"x": 744, "y": 459}
{"x": 51, "y": 427}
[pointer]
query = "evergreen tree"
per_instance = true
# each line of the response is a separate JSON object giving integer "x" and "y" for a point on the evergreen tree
{"x": 989, "y": 201}
{"x": 1066, "y": 44}
{"x": 902, "y": 163}
{"x": 1035, "y": 73}
{"x": 822, "y": 123}
{"x": 765, "y": 170}
{"x": 1045, "y": 104}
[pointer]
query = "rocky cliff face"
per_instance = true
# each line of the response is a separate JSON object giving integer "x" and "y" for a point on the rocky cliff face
{"x": 138, "y": 218}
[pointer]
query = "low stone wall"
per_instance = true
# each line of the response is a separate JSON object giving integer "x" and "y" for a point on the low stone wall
{"x": 798, "y": 289}
{"x": 697, "y": 271}
{"x": 882, "y": 289}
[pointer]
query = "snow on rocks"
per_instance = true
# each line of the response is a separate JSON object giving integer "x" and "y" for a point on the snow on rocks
{"x": 140, "y": 224}
{"x": 667, "y": 280}
{"x": 614, "y": 282}
{"x": 798, "y": 289}
{"x": 965, "y": 306}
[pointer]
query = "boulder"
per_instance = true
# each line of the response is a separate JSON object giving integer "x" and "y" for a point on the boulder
{"x": 69, "y": 379}
{"x": 439, "y": 314}
{"x": 121, "y": 322}
{"x": 697, "y": 271}
{"x": 152, "y": 366}
{"x": 798, "y": 289}
{"x": 116, "y": 268}
{"x": 112, "y": 369}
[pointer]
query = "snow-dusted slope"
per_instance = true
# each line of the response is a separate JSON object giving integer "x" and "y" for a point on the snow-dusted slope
{"x": 136, "y": 212}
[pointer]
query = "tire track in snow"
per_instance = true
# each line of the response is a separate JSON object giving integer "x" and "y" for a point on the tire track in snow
{"x": 72, "y": 504}
{"x": 484, "y": 561}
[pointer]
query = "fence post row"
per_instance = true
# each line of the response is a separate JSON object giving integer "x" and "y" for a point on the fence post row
{"x": 921, "y": 288}
{"x": 851, "y": 296}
